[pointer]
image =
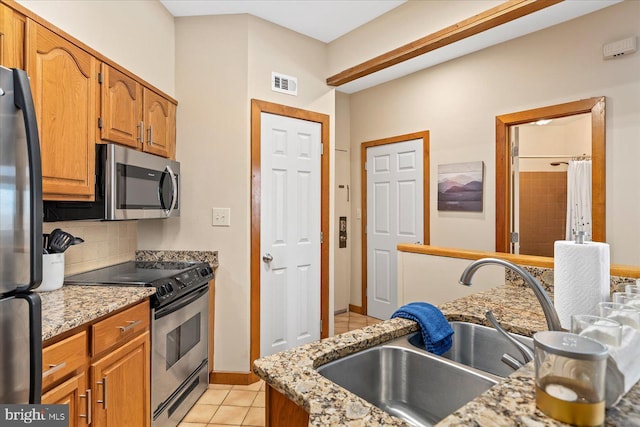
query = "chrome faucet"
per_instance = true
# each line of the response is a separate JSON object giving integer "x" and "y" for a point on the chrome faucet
{"x": 550, "y": 314}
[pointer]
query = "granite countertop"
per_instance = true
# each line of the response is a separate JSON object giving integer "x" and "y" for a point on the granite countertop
{"x": 510, "y": 403}
{"x": 72, "y": 306}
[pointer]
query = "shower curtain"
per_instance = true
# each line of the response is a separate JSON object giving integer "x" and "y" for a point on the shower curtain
{"x": 579, "y": 198}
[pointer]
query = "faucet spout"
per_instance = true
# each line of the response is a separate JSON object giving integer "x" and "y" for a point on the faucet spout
{"x": 550, "y": 314}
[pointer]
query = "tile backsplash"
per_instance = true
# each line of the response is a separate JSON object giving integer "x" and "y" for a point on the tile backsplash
{"x": 105, "y": 243}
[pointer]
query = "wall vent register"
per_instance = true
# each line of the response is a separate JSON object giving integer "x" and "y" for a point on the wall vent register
{"x": 284, "y": 84}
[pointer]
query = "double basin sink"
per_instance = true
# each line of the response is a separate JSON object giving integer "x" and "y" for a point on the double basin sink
{"x": 403, "y": 379}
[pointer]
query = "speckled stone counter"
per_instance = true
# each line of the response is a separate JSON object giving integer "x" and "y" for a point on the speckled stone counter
{"x": 72, "y": 306}
{"x": 201, "y": 256}
{"x": 509, "y": 403}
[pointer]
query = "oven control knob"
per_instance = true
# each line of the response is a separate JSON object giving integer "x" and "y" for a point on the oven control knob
{"x": 161, "y": 291}
{"x": 169, "y": 287}
{"x": 205, "y": 271}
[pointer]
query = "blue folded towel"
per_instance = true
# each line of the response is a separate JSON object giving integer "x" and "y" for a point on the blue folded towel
{"x": 434, "y": 327}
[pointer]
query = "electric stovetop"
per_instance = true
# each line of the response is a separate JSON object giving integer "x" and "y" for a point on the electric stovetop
{"x": 133, "y": 273}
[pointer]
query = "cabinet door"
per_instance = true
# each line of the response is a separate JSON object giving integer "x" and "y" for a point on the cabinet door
{"x": 160, "y": 123}
{"x": 64, "y": 86}
{"x": 12, "y": 26}
{"x": 121, "y": 386}
{"x": 121, "y": 108}
{"x": 73, "y": 393}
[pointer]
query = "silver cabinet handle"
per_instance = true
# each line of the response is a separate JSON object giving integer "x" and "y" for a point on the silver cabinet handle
{"x": 103, "y": 383}
{"x": 140, "y": 127}
{"x": 88, "y": 397}
{"x": 54, "y": 368}
{"x": 131, "y": 324}
{"x": 267, "y": 257}
{"x": 150, "y": 135}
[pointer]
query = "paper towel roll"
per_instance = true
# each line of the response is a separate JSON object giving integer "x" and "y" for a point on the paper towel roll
{"x": 581, "y": 278}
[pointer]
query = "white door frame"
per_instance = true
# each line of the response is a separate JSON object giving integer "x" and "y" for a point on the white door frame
{"x": 258, "y": 107}
{"x": 424, "y": 135}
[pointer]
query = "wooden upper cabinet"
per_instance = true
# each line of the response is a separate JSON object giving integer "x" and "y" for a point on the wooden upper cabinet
{"x": 160, "y": 124}
{"x": 65, "y": 85}
{"x": 134, "y": 115}
{"x": 120, "y": 108}
{"x": 12, "y": 28}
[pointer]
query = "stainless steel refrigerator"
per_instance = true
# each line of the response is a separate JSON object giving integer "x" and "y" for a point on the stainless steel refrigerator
{"x": 20, "y": 242}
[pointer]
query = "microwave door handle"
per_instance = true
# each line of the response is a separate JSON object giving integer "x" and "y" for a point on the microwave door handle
{"x": 174, "y": 183}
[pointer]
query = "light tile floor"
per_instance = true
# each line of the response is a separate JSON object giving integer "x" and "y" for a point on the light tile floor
{"x": 243, "y": 405}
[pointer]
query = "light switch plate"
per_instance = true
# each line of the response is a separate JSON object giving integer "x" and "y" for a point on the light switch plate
{"x": 221, "y": 217}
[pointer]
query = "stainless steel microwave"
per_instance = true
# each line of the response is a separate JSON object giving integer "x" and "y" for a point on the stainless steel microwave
{"x": 130, "y": 184}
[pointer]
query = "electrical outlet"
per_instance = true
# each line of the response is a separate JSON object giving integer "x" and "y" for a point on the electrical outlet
{"x": 221, "y": 217}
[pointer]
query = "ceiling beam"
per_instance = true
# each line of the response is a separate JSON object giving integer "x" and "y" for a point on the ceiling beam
{"x": 506, "y": 12}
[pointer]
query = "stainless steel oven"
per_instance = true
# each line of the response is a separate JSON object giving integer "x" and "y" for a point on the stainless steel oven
{"x": 179, "y": 329}
{"x": 179, "y": 343}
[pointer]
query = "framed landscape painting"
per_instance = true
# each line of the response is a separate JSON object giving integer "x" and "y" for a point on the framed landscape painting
{"x": 460, "y": 187}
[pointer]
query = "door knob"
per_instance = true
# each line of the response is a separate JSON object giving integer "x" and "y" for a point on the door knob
{"x": 267, "y": 258}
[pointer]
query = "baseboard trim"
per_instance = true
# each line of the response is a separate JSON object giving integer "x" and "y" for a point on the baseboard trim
{"x": 235, "y": 378}
{"x": 356, "y": 309}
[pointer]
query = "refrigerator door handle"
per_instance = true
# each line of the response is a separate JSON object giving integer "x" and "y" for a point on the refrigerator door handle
{"x": 24, "y": 101}
{"x": 35, "y": 345}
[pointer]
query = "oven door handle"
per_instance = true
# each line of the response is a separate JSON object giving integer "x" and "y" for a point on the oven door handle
{"x": 188, "y": 299}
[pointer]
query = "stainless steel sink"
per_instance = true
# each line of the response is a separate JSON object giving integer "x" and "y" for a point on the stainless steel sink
{"x": 408, "y": 382}
{"x": 479, "y": 347}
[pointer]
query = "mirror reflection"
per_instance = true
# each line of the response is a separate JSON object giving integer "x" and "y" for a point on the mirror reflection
{"x": 535, "y": 205}
{"x": 551, "y": 183}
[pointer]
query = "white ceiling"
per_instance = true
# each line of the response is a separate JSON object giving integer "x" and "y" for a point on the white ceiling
{"x": 324, "y": 20}
{"x": 327, "y": 20}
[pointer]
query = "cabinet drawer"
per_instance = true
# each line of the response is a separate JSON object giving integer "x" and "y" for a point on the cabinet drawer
{"x": 64, "y": 357}
{"x": 119, "y": 327}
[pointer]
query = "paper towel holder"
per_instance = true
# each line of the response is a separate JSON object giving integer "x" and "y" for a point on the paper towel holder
{"x": 580, "y": 237}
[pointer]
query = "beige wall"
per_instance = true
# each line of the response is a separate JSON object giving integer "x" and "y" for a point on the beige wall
{"x": 139, "y": 35}
{"x": 434, "y": 279}
{"x": 342, "y": 258}
{"x": 458, "y": 101}
{"x": 225, "y": 61}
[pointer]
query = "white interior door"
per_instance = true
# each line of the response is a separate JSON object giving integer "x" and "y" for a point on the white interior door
{"x": 395, "y": 214}
{"x": 289, "y": 232}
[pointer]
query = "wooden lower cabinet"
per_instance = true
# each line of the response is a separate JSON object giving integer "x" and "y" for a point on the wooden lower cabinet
{"x": 282, "y": 411}
{"x": 121, "y": 385}
{"x": 72, "y": 392}
{"x": 104, "y": 378}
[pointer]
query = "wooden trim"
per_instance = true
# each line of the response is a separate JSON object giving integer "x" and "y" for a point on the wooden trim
{"x": 534, "y": 261}
{"x": 424, "y": 135}
{"x": 29, "y": 14}
{"x": 235, "y": 378}
{"x": 212, "y": 304}
{"x": 595, "y": 106}
{"x": 258, "y": 107}
{"x": 491, "y": 18}
{"x": 530, "y": 260}
{"x": 282, "y": 411}
{"x": 356, "y": 309}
